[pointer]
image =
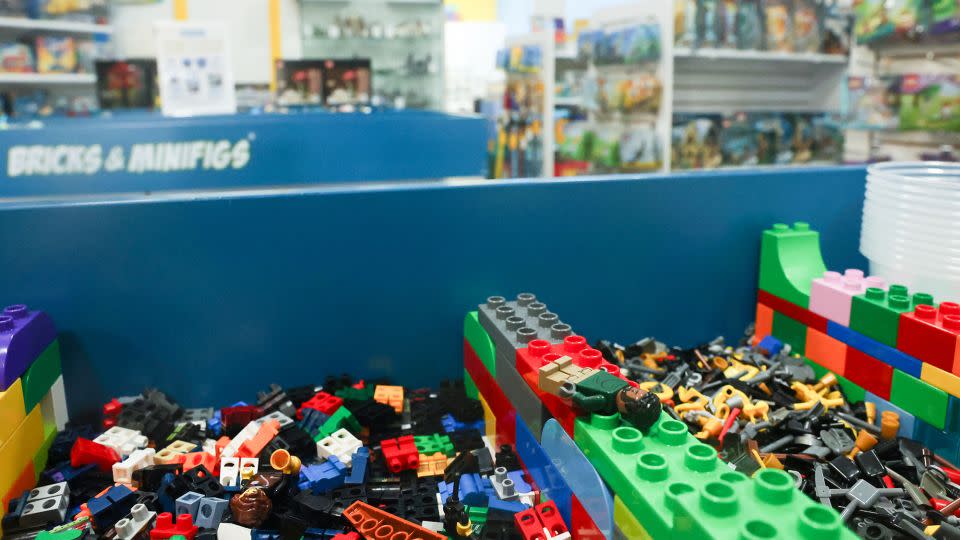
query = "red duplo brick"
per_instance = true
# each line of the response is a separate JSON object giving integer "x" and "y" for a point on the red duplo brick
{"x": 868, "y": 372}
{"x": 795, "y": 312}
{"x": 931, "y": 335}
{"x": 581, "y": 524}
{"x": 499, "y": 404}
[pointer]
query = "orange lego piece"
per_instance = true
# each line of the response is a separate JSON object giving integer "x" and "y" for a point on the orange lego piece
{"x": 389, "y": 395}
{"x": 432, "y": 465}
{"x": 763, "y": 326}
{"x": 195, "y": 459}
{"x": 254, "y": 445}
{"x": 826, "y": 351}
{"x": 24, "y": 482}
{"x": 375, "y": 524}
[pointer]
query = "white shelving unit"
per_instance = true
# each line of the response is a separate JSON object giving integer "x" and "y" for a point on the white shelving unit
{"x": 45, "y": 79}
{"x": 22, "y": 25}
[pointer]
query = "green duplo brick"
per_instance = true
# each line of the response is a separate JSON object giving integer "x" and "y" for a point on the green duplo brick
{"x": 876, "y": 313}
{"x": 919, "y": 399}
{"x": 478, "y": 338}
{"x": 41, "y": 375}
{"x": 790, "y": 260}
{"x": 40, "y": 459}
{"x": 469, "y": 386}
{"x": 790, "y": 331}
{"x": 677, "y": 487}
{"x": 851, "y": 390}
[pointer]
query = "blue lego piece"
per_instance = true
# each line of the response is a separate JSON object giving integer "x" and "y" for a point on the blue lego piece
{"x": 907, "y": 420}
{"x": 214, "y": 425}
{"x": 886, "y": 354}
{"x": 65, "y": 473}
{"x": 772, "y": 345}
{"x": 188, "y": 503}
{"x": 475, "y": 490}
{"x": 323, "y": 476}
{"x": 240, "y": 404}
{"x": 312, "y": 420}
{"x": 511, "y": 507}
{"x": 309, "y": 534}
{"x": 164, "y": 499}
{"x": 953, "y": 415}
{"x": 111, "y": 507}
{"x": 358, "y": 465}
{"x": 945, "y": 445}
{"x": 451, "y": 424}
{"x": 580, "y": 475}
{"x": 519, "y": 482}
{"x": 543, "y": 471}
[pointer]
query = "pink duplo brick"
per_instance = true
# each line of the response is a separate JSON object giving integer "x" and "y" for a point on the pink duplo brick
{"x": 832, "y": 294}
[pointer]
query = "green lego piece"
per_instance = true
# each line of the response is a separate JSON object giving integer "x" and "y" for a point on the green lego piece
{"x": 677, "y": 487}
{"x": 876, "y": 313}
{"x": 790, "y": 260}
{"x": 478, "y": 515}
{"x": 469, "y": 386}
{"x": 356, "y": 394}
{"x": 789, "y": 330}
{"x": 431, "y": 444}
{"x": 69, "y": 534}
{"x": 919, "y": 399}
{"x": 40, "y": 458}
{"x": 41, "y": 375}
{"x": 851, "y": 390}
{"x": 341, "y": 418}
{"x": 597, "y": 393}
{"x": 478, "y": 338}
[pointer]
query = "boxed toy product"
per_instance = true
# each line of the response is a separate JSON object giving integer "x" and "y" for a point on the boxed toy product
{"x": 85, "y": 10}
{"x": 639, "y": 148}
{"x": 806, "y": 26}
{"x": 56, "y": 54}
{"x": 728, "y": 24}
{"x": 127, "y": 84}
{"x": 738, "y": 141}
{"x": 709, "y": 22}
{"x": 696, "y": 141}
{"x": 873, "y": 102}
{"x": 827, "y": 138}
{"x": 685, "y": 23}
{"x": 930, "y": 102}
{"x": 87, "y": 53}
{"x": 750, "y": 27}
{"x": 16, "y": 58}
{"x": 836, "y": 29}
{"x": 944, "y": 16}
{"x": 14, "y": 8}
{"x": 299, "y": 82}
{"x": 779, "y": 26}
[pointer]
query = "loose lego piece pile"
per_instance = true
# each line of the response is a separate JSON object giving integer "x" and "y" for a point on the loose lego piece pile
{"x": 343, "y": 460}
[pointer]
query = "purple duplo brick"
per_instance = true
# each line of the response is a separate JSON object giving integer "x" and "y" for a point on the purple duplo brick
{"x": 24, "y": 335}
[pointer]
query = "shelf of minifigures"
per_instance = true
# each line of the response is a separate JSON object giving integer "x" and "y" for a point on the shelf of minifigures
{"x": 32, "y": 399}
{"x": 901, "y": 347}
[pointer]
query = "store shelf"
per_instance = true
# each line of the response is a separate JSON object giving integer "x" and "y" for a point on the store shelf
{"x": 682, "y": 53}
{"x": 47, "y": 78}
{"x": 371, "y": 39}
{"x": 43, "y": 25}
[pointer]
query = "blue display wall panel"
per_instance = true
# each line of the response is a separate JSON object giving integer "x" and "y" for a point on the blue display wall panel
{"x": 149, "y": 153}
{"x": 191, "y": 295}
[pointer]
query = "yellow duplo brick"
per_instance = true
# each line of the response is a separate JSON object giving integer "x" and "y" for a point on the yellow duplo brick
{"x": 21, "y": 448}
{"x": 934, "y": 376}
{"x": 627, "y": 523}
{"x": 11, "y": 410}
{"x": 489, "y": 421}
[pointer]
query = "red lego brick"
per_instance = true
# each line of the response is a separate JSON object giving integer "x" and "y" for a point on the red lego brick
{"x": 868, "y": 372}
{"x": 499, "y": 404}
{"x": 581, "y": 524}
{"x": 85, "y": 452}
{"x": 795, "y": 312}
{"x": 112, "y": 408}
{"x": 195, "y": 459}
{"x": 239, "y": 417}
{"x": 375, "y": 524}
{"x": 322, "y": 402}
{"x": 347, "y": 536}
{"x": 254, "y": 445}
{"x": 931, "y": 335}
{"x": 400, "y": 453}
{"x": 166, "y": 528}
{"x": 532, "y": 522}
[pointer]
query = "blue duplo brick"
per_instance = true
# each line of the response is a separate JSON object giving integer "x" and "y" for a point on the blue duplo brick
{"x": 907, "y": 420}
{"x": 886, "y": 354}
{"x": 946, "y": 445}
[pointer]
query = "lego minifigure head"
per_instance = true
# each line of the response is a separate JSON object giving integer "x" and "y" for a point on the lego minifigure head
{"x": 638, "y": 407}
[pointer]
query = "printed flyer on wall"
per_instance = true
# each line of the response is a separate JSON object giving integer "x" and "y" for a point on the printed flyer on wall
{"x": 194, "y": 70}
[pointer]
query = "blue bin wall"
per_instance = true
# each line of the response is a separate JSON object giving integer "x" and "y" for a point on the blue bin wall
{"x": 212, "y": 299}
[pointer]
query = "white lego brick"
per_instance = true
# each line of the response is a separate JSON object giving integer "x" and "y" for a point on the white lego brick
{"x": 245, "y": 434}
{"x": 53, "y": 406}
{"x": 229, "y": 471}
{"x": 210, "y": 446}
{"x": 139, "y": 459}
{"x": 340, "y": 443}
{"x": 137, "y": 524}
{"x": 123, "y": 440}
{"x": 278, "y": 416}
{"x": 232, "y": 531}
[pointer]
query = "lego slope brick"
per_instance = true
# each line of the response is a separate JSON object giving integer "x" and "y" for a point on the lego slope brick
{"x": 678, "y": 487}
{"x": 41, "y": 375}
{"x": 494, "y": 396}
{"x": 790, "y": 259}
{"x": 763, "y": 326}
{"x": 948, "y": 382}
{"x": 919, "y": 399}
{"x": 876, "y": 313}
{"x": 24, "y": 335}
{"x": 789, "y": 330}
{"x": 869, "y": 373}
{"x": 932, "y": 335}
{"x": 795, "y": 312}
{"x": 20, "y": 449}
{"x": 477, "y": 337}
{"x": 832, "y": 294}
{"x": 887, "y": 355}
{"x": 826, "y": 351}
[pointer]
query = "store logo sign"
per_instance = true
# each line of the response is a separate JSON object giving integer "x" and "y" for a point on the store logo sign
{"x": 138, "y": 158}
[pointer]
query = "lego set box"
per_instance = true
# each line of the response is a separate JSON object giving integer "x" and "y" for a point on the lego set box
{"x": 835, "y": 415}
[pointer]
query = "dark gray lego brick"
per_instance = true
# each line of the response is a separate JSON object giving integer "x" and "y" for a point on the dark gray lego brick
{"x": 512, "y": 324}
{"x": 521, "y": 396}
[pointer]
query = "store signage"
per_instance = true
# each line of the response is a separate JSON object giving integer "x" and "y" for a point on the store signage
{"x": 136, "y": 158}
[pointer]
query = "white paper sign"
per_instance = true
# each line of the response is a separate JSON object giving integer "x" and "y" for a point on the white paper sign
{"x": 194, "y": 69}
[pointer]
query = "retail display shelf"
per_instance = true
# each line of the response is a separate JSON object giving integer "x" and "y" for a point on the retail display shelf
{"x": 44, "y": 25}
{"x": 47, "y": 78}
{"x": 681, "y": 53}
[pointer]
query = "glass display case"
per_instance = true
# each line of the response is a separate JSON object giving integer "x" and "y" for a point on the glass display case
{"x": 402, "y": 38}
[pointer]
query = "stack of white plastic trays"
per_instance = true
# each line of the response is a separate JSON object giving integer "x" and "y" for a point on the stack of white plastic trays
{"x": 911, "y": 225}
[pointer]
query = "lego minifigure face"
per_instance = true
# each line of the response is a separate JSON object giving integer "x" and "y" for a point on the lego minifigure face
{"x": 638, "y": 407}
